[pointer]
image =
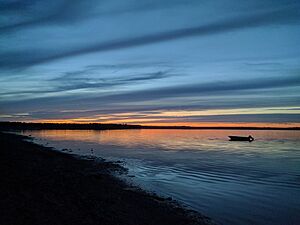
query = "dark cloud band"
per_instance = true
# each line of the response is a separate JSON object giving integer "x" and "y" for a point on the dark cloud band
{"x": 25, "y": 59}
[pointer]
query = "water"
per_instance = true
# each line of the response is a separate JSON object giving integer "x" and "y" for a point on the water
{"x": 235, "y": 183}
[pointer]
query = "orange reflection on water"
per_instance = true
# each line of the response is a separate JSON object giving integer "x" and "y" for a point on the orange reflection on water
{"x": 227, "y": 124}
{"x": 166, "y": 139}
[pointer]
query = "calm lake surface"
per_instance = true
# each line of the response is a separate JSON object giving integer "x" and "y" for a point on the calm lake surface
{"x": 235, "y": 183}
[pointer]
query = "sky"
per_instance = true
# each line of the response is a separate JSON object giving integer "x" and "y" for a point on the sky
{"x": 171, "y": 62}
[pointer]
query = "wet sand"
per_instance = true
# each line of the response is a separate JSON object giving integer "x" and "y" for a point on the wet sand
{"x": 45, "y": 187}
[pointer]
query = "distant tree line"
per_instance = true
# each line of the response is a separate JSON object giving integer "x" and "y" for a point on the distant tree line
{"x": 105, "y": 126}
{"x": 64, "y": 126}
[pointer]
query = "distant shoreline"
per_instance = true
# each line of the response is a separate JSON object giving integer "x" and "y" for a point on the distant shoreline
{"x": 104, "y": 126}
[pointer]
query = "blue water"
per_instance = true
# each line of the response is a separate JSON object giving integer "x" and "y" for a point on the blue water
{"x": 235, "y": 183}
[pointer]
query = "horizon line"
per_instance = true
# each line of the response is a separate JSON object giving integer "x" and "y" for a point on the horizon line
{"x": 107, "y": 126}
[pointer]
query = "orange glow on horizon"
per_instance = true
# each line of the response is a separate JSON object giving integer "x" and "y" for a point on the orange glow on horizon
{"x": 191, "y": 124}
{"x": 178, "y": 117}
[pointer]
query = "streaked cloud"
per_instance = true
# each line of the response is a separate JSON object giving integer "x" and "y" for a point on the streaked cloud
{"x": 150, "y": 61}
{"x": 21, "y": 59}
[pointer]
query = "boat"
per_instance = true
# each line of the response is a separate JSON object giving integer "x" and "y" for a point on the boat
{"x": 241, "y": 138}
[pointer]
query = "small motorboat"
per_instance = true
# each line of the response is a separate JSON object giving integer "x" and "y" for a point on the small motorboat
{"x": 241, "y": 138}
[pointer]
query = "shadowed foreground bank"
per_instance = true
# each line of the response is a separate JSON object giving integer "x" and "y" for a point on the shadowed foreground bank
{"x": 39, "y": 186}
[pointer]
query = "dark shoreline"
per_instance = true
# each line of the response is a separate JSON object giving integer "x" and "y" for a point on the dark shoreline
{"x": 104, "y": 126}
{"x": 42, "y": 186}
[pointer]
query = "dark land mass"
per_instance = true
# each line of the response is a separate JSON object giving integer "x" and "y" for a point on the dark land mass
{"x": 40, "y": 186}
{"x": 105, "y": 126}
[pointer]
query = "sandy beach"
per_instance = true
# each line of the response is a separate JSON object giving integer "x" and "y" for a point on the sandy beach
{"x": 42, "y": 186}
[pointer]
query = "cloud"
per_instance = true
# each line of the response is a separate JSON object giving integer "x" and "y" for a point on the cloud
{"x": 213, "y": 88}
{"x": 101, "y": 69}
{"x": 13, "y": 6}
{"x": 65, "y": 84}
{"x": 150, "y": 117}
{"x": 105, "y": 76}
{"x": 109, "y": 76}
{"x": 29, "y": 14}
{"x": 256, "y": 118}
{"x": 24, "y": 14}
{"x": 238, "y": 93}
{"x": 23, "y": 59}
{"x": 60, "y": 29}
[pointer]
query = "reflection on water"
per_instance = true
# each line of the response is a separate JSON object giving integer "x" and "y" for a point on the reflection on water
{"x": 233, "y": 182}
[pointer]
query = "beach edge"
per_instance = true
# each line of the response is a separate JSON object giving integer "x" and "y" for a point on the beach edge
{"x": 50, "y": 182}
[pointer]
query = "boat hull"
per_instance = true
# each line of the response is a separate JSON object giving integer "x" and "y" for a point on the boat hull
{"x": 240, "y": 138}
